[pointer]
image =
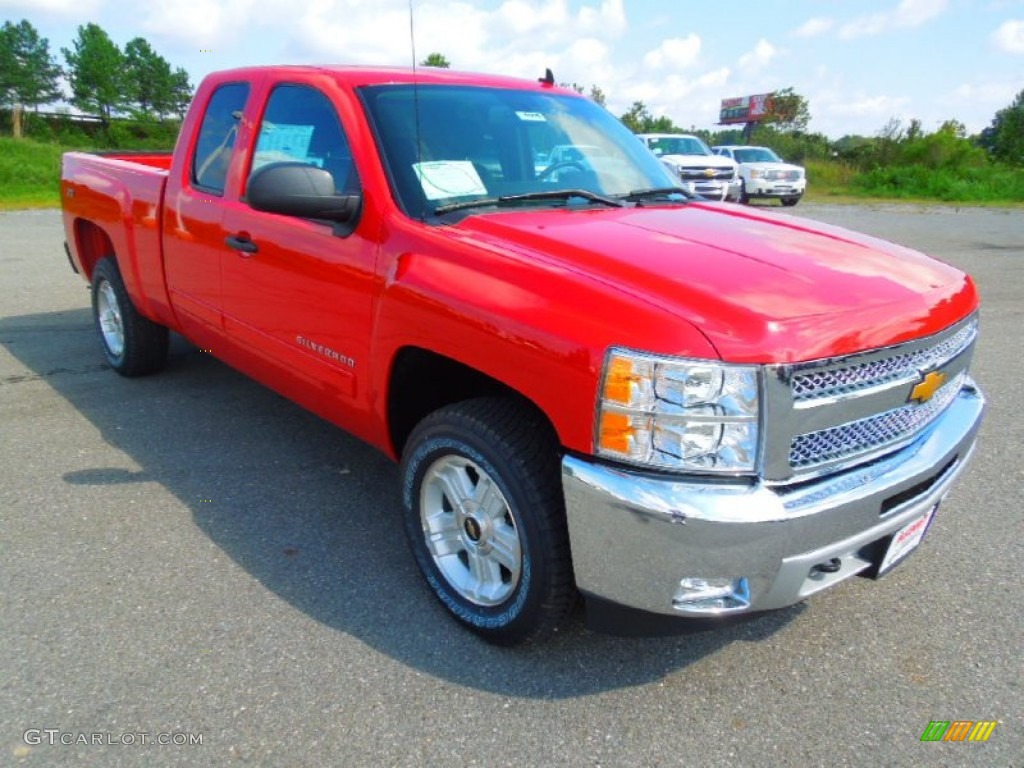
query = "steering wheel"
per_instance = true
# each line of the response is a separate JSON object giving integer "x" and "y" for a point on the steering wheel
{"x": 543, "y": 175}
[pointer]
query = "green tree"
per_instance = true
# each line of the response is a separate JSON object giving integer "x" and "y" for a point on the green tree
{"x": 1004, "y": 138}
{"x": 181, "y": 93}
{"x": 95, "y": 69}
{"x": 148, "y": 80}
{"x": 28, "y": 73}
{"x": 436, "y": 60}
{"x": 640, "y": 120}
{"x": 597, "y": 95}
{"x": 636, "y": 116}
{"x": 790, "y": 111}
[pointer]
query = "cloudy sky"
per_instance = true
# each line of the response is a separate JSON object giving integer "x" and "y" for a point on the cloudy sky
{"x": 858, "y": 63}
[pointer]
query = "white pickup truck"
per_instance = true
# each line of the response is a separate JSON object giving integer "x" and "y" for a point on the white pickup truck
{"x": 701, "y": 171}
{"x": 764, "y": 174}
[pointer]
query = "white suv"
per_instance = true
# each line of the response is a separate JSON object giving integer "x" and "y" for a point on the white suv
{"x": 699, "y": 169}
{"x": 765, "y": 174}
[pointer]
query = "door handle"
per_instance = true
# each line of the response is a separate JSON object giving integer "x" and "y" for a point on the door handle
{"x": 241, "y": 243}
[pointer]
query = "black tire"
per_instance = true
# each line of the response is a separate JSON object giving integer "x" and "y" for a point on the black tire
{"x": 744, "y": 198}
{"x": 505, "y": 455}
{"x": 132, "y": 344}
{"x": 789, "y": 202}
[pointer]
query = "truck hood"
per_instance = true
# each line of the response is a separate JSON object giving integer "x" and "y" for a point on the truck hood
{"x": 763, "y": 288}
{"x": 701, "y": 161}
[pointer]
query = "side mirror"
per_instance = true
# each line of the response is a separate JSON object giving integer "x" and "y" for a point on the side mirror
{"x": 299, "y": 189}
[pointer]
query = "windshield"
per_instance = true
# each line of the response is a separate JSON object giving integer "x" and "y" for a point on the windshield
{"x": 756, "y": 155}
{"x": 444, "y": 145}
{"x": 678, "y": 145}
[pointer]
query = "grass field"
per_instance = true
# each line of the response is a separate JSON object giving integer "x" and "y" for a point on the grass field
{"x": 29, "y": 174}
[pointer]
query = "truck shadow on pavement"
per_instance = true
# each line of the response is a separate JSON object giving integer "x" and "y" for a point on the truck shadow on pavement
{"x": 314, "y": 515}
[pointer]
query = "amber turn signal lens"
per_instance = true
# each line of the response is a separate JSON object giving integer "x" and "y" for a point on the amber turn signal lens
{"x": 619, "y": 381}
{"x": 615, "y": 432}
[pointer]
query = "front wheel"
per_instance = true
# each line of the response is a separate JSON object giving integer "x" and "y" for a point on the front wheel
{"x": 133, "y": 345}
{"x": 744, "y": 199}
{"x": 485, "y": 518}
{"x": 789, "y": 202}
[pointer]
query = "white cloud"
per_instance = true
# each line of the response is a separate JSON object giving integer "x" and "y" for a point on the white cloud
{"x": 1009, "y": 38}
{"x": 73, "y": 8}
{"x": 759, "y": 57}
{"x": 333, "y": 31}
{"x": 814, "y": 27}
{"x": 200, "y": 22}
{"x": 977, "y": 103}
{"x": 869, "y": 106}
{"x": 609, "y": 19}
{"x": 588, "y": 52}
{"x": 906, "y": 15}
{"x": 521, "y": 17}
{"x": 674, "y": 53}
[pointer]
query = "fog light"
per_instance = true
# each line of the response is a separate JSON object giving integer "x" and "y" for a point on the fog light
{"x": 712, "y": 595}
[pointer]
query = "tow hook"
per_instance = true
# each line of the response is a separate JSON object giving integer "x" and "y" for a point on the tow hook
{"x": 829, "y": 566}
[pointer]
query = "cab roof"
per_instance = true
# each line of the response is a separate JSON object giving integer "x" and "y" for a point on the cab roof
{"x": 356, "y": 75}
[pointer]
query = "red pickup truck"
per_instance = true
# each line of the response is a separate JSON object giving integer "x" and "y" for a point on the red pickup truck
{"x": 595, "y": 383}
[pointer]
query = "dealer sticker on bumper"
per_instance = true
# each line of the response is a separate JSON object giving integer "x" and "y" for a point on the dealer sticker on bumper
{"x": 906, "y": 539}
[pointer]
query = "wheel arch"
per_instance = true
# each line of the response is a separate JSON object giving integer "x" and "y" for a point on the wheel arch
{"x": 421, "y": 381}
{"x": 92, "y": 244}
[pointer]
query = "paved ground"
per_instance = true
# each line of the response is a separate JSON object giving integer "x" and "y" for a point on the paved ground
{"x": 191, "y": 554}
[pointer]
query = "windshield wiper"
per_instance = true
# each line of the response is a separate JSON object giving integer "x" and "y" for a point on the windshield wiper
{"x": 448, "y": 208}
{"x": 553, "y": 194}
{"x": 641, "y": 195}
{"x": 564, "y": 194}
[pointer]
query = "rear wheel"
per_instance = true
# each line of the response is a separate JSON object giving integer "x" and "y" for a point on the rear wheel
{"x": 133, "y": 345}
{"x": 485, "y": 518}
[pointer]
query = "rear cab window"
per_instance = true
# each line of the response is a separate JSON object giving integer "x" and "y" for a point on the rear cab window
{"x": 217, "y": 136}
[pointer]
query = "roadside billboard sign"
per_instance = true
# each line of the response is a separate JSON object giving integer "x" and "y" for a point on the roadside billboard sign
{"x": 745, "y": 109}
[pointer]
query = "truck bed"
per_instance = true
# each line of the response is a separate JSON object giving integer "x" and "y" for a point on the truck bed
{"x": 112, "y": 204}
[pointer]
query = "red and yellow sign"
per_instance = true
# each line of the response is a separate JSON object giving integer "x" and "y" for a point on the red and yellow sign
{"x": 745, "y": 109}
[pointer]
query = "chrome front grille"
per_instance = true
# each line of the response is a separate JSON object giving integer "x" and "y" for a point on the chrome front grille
{"x": 872, "y": 433}
{"x": 833, "y": 382}
{"x": 827, "y": 415}
{"x": 705, "y": 174}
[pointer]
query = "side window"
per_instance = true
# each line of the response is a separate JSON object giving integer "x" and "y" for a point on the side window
{"x": 217, "y": 136}
{"x": 300, "y": 125}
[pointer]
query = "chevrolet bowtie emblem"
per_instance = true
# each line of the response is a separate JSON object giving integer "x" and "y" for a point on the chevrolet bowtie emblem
{"x": 924, "y": 390}
{"x": 709, "y": 172}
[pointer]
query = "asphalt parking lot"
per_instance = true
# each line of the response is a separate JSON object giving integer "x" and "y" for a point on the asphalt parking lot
{"x": 190, "y": 555}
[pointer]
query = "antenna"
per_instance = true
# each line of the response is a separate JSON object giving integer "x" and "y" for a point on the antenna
{"x": 416, "y": 104}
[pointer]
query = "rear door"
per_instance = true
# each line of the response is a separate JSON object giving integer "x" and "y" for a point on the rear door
{"x": 193, "y": 244}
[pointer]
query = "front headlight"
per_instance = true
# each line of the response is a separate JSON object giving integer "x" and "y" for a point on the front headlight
{"x": 678, "y": 414}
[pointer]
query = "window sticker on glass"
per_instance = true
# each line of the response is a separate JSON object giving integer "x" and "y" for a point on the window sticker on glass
{"x": 531, "y": 117}
{"x": 442, "y": 179}
{"x": 290, "y": 140}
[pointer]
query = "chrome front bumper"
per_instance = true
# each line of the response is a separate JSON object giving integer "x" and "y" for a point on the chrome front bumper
{"x": 775, "y": 188}
{"x": 635, "y": 536}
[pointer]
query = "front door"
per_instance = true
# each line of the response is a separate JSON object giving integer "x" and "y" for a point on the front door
{"x": 295, "y": 291}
